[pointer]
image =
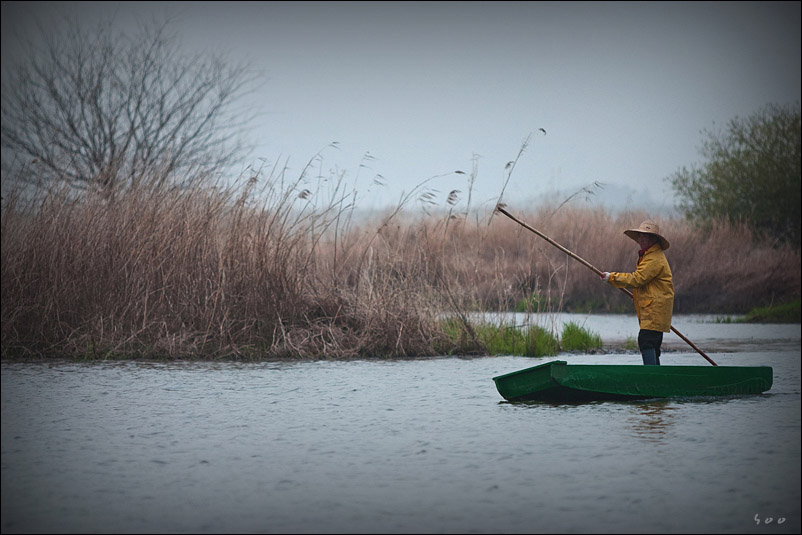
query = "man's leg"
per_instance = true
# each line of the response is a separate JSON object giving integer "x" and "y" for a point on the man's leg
{"x": 649, "y": 343}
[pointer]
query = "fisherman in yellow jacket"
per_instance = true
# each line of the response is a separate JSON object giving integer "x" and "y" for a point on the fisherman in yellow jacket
{"x": 652, "y": 289}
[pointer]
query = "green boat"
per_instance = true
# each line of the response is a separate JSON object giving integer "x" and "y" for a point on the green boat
{"x": 558, "y": 381}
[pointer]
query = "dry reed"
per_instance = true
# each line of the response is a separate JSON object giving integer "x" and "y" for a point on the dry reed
{"x": 270, "y": 269}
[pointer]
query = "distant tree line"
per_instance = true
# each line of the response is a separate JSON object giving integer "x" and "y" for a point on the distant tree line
{"x": 751, "y": 175}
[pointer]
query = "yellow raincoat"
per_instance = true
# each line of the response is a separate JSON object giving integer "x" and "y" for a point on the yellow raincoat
{"x": 652, "y": 288}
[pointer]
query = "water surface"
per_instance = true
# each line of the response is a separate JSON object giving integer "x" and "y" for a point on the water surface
{"x": 413, "y": 446}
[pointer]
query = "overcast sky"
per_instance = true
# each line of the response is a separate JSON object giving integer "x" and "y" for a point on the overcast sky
{"x": 622, "y": 90}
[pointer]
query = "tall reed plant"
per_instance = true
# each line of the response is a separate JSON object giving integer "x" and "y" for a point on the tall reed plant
{"x": 278, "y": 266}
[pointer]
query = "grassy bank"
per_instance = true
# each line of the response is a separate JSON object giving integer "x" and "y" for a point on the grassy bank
{"x": 786, "y": 313}
{"x": 268, "y": 269}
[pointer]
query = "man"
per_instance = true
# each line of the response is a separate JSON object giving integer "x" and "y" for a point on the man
{"x": 652, "y": 289}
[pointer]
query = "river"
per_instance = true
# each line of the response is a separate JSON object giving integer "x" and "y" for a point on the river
{"x": 402, "y": 446}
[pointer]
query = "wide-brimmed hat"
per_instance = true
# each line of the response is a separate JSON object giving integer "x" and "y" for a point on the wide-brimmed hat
{"x": 648, "y": 227}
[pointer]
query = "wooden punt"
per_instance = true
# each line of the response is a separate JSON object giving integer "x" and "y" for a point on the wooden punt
{"x": 558, "y": 381}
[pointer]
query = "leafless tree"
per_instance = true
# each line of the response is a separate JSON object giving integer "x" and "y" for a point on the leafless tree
{"x": 98, "y": 108}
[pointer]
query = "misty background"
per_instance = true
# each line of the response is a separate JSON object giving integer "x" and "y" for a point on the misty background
{"x": 612, "y": 96}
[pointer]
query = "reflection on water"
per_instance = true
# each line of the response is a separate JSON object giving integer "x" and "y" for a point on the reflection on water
{"x": 651, "y": 421}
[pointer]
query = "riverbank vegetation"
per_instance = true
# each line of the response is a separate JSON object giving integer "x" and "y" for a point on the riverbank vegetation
{"x": 785, "y": 313}
{"x": 273, "y": 269}
{"x": 750, "y": 173}
{"x": 120, "y": 239}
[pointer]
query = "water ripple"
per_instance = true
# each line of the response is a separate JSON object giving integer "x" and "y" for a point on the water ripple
{"x": 386, "y": 447}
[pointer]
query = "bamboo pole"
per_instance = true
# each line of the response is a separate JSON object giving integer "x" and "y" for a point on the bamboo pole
{"x": 500, "y": 208}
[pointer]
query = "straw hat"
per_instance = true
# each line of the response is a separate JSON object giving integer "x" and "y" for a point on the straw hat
{"x": 648, "y": 227}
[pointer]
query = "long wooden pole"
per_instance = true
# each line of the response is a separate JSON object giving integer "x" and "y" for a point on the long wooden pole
{"x": 500, "y": 208}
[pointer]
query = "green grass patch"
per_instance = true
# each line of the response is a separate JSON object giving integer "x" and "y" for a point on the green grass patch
{"x": 453, "y": 328}
{"x": 533, "y": 341}
{"x": 787, "y": 313}
{"x": 631, "y": 343}
{"x": 533, "y": 303}
{"x": 576, "y": 338}
{"x": 457, "y": 339}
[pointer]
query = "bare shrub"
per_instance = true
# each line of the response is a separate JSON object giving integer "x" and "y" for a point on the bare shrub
{"x": 99, "y": 108}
